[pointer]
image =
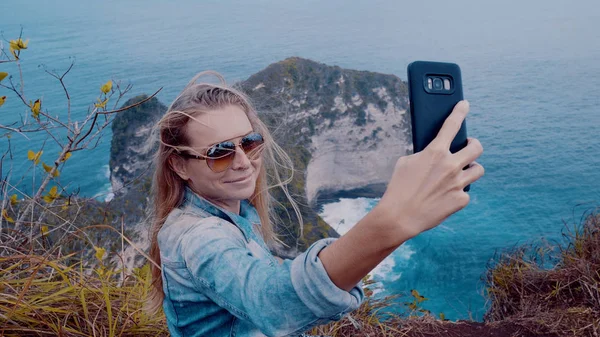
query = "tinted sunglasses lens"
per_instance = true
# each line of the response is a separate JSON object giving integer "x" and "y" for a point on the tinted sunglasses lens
{"x": 220, "y": 156}
{"x": 252, "y": 141}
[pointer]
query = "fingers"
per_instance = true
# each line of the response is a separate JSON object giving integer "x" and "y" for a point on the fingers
{"x": 452, "y": 124}
{"x": 469, "y": 153}
{"x": 472, "y": 174}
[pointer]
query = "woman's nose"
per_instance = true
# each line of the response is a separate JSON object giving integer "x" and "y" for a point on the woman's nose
{"x": 240, "y": 160}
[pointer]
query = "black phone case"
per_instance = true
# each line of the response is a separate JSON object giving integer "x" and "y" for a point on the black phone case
{"x": 428, "y": 110}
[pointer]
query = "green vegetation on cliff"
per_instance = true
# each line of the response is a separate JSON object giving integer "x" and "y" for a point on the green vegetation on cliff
{"x": 296, "y": 84}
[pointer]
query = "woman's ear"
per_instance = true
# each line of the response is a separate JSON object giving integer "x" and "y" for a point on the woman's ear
{"x": 179, "y": 166}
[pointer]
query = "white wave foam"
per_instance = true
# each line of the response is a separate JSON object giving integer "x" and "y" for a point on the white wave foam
{"x": 106, "y": 189}
{"x": 385, "y": 270}
{"x": 344, "y": 214}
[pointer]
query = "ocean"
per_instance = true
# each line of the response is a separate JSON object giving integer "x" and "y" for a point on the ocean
{"x": 531, "y": 71}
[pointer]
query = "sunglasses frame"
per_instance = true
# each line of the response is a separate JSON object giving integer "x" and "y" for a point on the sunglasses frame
{"x": 232, "y": 155}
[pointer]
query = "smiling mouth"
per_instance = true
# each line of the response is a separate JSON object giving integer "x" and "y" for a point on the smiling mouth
{"x": 238, "y": 180}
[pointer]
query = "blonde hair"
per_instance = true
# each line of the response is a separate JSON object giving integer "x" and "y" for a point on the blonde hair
{"x": 168, "y": 188}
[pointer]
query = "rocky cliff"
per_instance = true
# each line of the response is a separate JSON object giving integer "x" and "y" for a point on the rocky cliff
{"x": 130, "y": 154}
{"x": 354, "y": 123}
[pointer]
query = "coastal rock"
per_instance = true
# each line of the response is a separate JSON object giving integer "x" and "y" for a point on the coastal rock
{"x": 130, "y": 152}
{"x": 354, "y": 123}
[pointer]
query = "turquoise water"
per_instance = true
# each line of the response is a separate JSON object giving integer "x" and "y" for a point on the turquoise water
{"x": 530, "y": 71}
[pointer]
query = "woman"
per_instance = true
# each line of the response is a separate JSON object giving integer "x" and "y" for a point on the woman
{"x": 212, "y": 228}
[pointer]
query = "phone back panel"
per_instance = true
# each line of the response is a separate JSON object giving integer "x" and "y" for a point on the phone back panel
{"x": 430, "y": 110}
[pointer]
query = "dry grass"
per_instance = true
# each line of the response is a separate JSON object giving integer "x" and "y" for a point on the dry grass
{"x": 47, "y": 290}
{"x": 565, "y": 299}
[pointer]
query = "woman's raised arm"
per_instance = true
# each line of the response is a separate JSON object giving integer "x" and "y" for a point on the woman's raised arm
{"x": 425, "y": 189}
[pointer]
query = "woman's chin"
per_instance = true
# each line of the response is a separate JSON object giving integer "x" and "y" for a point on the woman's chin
{"x": 241, "y": 191}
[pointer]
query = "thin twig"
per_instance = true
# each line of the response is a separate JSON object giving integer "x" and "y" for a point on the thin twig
{"x": 62, "y": 83}
{"x": 130, "y": 106}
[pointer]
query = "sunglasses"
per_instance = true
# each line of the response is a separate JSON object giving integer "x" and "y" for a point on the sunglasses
{"x": 219, "y": 157}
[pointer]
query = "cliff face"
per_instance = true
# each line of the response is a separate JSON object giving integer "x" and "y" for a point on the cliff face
{"x": 354, "y": 123}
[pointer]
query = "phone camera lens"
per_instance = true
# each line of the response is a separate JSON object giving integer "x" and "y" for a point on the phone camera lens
{"x": 437, "y": 83}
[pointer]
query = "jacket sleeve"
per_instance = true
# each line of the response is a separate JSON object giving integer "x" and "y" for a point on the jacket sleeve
{"x": 279, "y": 299}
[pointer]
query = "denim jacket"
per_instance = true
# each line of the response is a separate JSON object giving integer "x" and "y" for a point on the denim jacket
{"x": 220, "y": 279}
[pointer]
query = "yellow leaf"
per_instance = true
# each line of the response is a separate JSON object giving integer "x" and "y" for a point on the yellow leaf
{"x": 2, "y": 100}
{"x": 107, "y": 87}
{"x": 35, "y": 108}
{"x": 67, "y": 156}
{"x": 52, "y": 195}
{"x": 49, "y": 169}
{"x": 418, "y": 296}
{"x": 101, "y": 104}
{"x": 442, "y": 316}
{"x": 44, "y": 230}
{"x": 46, "y": 167}
{"x": 99, "y": 252}
{"x": 18, "y": 44}
{"x": 3, "y": 75}
{"x": 5, "y": 216}
{"x": 13, "y": 199}
{"x": 53, "y": 191}
{"x": 35, "y": 157}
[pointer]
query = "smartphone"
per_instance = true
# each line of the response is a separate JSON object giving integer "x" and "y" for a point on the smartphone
{"x": 434, "y": 88}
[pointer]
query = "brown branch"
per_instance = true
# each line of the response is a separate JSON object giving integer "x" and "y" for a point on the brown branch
{"x": 21, "y": 76}
{"x": 130, "y": 106}
{"x": 21, "y": 130}
{"x": 112, "y": 112}
{"x": 62, "y": 83}
{"x": 88, "y": 132}
{"x": 87, "y": 144}
{"x": 91, "y": 114}
{"x": 51, "y": 135}
{"x": 42, "y": 187}
{"x": 121, "y": 93}
{"x": 23, "y": 99}
{"x": 14, "y": 89}
{"x": 14, "y": 130}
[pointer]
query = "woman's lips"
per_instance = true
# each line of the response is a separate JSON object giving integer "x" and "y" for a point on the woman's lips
{"x": 239, "y": 180}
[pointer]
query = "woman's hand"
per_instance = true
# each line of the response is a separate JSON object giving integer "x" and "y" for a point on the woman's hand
{"x": 427, "y": 187}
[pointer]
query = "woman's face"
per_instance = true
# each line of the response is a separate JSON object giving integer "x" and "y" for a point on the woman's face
{"x": 229, "y": 123}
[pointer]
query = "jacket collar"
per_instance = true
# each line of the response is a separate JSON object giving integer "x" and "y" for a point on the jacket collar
{"x": 245, "y": 220}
